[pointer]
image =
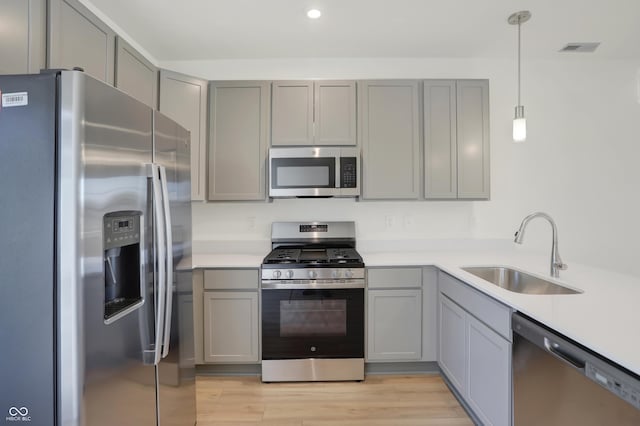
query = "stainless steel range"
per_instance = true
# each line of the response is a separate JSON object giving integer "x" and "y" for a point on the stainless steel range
{"x": 313, "y": 303}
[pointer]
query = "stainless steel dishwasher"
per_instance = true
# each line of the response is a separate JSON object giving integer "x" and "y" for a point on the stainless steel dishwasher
{"x": 558, "y": 382}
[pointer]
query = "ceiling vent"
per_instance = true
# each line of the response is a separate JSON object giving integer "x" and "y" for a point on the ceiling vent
{"x": 580, "y": 47}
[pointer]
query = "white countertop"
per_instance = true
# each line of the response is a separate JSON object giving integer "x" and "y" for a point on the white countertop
{"x": 603, "y": 318}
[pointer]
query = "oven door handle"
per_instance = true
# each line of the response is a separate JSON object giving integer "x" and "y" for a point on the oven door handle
{"x": 284, "y": 285}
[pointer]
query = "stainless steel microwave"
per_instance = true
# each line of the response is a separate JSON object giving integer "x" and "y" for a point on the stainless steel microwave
{"x": 314, "y": 172}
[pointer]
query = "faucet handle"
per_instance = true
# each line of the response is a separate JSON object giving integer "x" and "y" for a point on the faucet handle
{"x": 562, "y": 266}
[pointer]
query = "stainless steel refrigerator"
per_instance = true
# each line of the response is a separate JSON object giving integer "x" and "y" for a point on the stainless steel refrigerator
{"x": 96, "y": 304}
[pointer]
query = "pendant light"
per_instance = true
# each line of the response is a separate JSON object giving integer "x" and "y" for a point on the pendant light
{"x": 519, "y": 121}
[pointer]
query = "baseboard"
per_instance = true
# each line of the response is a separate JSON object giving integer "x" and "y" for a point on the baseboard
{"x": 370, "y": 368}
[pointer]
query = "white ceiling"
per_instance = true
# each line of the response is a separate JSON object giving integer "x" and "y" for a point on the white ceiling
{"x": 174, "y": 30}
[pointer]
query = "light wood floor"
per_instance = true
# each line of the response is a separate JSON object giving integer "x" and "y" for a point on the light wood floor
{"x": 379, "y": 400}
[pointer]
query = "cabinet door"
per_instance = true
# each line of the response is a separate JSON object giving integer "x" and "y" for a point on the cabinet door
{"x": 335, "y": 113}
{"x": 231, "y": 326}
{"x": 389, "y": 132}
{"x": 452, "y": 354}
{"x": 239, "y": 117}
{"x": 184, "y": 99}
{"x": 440, "y": 158}
{"x": 429, "y": 314}
{"x": 292, "y": 113}
{"x": 22, "y": 39}
{"x": 135, "y": 75}
{"x": 473, "y": 138}
{"x": 489, "y": 379}
{"x": 77, "y": 38}
{"x": 198, "y": 315}
{"x": 394, "y": 331}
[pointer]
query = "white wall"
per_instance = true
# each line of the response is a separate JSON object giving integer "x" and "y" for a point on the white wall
{"x": 579, "y": 164}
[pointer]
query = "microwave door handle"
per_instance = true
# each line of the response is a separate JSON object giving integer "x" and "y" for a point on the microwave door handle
{"x": 169, "y": 262}
{"x": 337, "y": 166}
{"x": 160, "y": 259}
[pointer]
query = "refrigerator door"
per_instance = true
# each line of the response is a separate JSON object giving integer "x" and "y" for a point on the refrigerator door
{"x": 176, "y": 371}
{"x": 104, "y": 224}
{"x": 27, "y": 244}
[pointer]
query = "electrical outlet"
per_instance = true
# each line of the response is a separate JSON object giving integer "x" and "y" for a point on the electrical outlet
{"x": 408, "y": 222}
{"x": 251, "y": 222}
{"x": 390, "y": 222}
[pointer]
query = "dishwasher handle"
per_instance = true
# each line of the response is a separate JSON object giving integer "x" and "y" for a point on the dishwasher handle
{"x": 555, "y": 344}
{"x": 556, "y": 350}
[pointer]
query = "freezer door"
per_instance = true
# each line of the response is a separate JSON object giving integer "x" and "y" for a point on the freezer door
{"x": 106, "y": 373}
{"x": 27, "y": 269}
{"x": 176, "y": 370}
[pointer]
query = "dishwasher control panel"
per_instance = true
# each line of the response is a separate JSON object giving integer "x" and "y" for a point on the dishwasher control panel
{"x": 608, "y": 379}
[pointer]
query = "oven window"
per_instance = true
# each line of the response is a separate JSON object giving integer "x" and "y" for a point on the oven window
{"x": 312, "y": 323}
{"x": 303, "y": 172}
{"x": 313, "y": 318}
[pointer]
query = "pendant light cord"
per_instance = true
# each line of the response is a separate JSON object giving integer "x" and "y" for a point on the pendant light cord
{"x": 519, "y": 62}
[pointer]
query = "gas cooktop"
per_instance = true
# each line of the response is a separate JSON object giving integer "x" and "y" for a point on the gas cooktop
{"x": 313, "y": 256}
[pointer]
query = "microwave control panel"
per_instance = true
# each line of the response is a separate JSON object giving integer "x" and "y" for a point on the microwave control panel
{"x": 348, "y": 172}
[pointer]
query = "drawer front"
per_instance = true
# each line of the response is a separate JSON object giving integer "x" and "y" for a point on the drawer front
{"x": 394, "y": 277}
{"x": 231, "y": 279}
{"x": 489, "y": 311}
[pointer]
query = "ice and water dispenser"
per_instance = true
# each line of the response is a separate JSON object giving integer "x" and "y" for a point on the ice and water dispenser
{"x": 122, "y": 264}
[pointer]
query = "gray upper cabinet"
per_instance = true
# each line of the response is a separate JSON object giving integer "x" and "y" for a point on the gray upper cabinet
{"x": 440, "y": 158}
{"x": 456, "y": 133}
{"x": 335, "y": 113}
{"x": 473, "y": 138}
{"x": 313, "y": 113}
{"x": 388, "y": 113}
{"x": 292, "y": 113}
{"x": 184, "y": 99}
{"x": 135, "y": 75}
{"x": 77, "y": 38}
{"x": 238, "y": 142}
{"x": 23, "y": 46}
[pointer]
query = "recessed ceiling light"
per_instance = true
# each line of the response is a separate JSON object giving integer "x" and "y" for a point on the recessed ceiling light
{"x": 314, "y": 14}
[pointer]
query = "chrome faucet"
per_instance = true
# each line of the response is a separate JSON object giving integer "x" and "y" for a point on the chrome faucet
{"x": 556, "y": 261}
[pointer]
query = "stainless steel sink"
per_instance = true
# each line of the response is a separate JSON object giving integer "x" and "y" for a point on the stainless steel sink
{"x": 517, "y": 281}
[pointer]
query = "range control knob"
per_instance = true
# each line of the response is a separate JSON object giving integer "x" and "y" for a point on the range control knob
{"x": 289, "y": 274}
{"x": 313, "y": 274}
{"x": 348, "y": 273}
{"x": 276, "y": 274}
{"x": 335, "y": 273}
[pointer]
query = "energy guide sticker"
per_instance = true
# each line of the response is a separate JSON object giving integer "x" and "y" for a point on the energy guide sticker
{"x": 15, "y": 99}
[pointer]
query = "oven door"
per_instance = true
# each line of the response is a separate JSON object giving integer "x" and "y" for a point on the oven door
{"x": 312, "y": 323}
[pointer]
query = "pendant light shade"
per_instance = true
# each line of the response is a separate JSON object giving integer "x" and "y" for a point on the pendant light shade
{"x": 519, "y": 121}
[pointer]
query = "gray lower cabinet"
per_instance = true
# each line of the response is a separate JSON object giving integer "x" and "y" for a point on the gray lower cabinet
{"x": 394, "y": 314}
{"x": 23, "y": 41}
{"x": 77, "y": 38}
{"x": 135, "y": 75}
{"x": 394, "y": 331}
{"x": 429, "y": 313}
{"x": 456, "y": 137}
{"x": 231, "y": 326}
{"x": 389, "y": 133}
{"x": 227, "y": 320}
{"x": 489, "y": 377}
{"x": 452, "y": 356}
{"x": 184, "y": 99}
{"x": 238, "y": 142}
{"x": 474, "y": 353}
{"x": 313, "y": 113}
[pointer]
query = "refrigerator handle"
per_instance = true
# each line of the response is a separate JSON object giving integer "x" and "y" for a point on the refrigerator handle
{"x": 160, "y": 261}
{"x": 169, "y": 251}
